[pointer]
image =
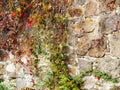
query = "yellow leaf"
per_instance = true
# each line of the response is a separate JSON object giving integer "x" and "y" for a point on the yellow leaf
{"x": 18, "y": 9}
{"x": 35, "y": 16}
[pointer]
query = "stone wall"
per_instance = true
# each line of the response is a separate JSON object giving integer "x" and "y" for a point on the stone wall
{"x": 94, "y": 40}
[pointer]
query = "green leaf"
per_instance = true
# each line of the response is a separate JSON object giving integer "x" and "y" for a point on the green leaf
{"x": 82, "y": 74}
{"x": 98, "y": 73}
{"x": 114, "y": 80}
{"x": 1, "y": 80}
{"x": 104, "y": 76}
{"x": 76, "y": 88}
{"x": 109, "y": 77}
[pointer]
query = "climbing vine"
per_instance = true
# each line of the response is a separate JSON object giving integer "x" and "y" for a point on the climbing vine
{"x": 51, "y": 42}
{"x": 43, "y": 26}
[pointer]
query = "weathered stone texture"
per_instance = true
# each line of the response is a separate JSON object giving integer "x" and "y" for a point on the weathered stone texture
{"x": 93, "y": 48}
{"x": 96, "y": 34}
{"x": 84, "y": 65}
{"x": 92, "y": 83}
{"x": 114, "y": 41}
{"x": 75, "y": 12}
{"x": 111, "y": 24}
{"x": 110, "y": 66}
{"x": 91, "y": 8}
{"x": 98, "y": 48}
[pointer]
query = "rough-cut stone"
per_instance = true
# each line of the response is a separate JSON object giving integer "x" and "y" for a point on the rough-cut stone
{"x": 83, "y": 40}
{"x": 77, "y": 28}
{"x": 110, "y": 24}
{"x": 88, "y": 25}
{"x": 83, "y": 49}
{"x": 110, "y": 5}
{"x": 96, "y": 52}
{"x": 117, "y": 2}
{"x": 90, "y": 22}
{"x": 91, "y": 8}
{"x": 98, "y": 48}
{"x": 114, "y": 41}
{"x": 92, "y": 83}
{"x": 110, "y": 66}
{"x": 96, "y": 34}
{"x": 93, "y": 48}
{"x": 84, "y": 65}
{"x": 92, "y": 30}
{"x": 75, "y": 12}
{"x": 83, "y": 46}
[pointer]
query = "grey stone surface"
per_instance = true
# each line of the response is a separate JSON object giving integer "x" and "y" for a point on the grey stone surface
{"x": 109, "y": 65}
{"x": 111, "y": 23}
{"x": 92, "y": 83}
{"x": 114, "y": 42}
{"x": 84, "y": 65}
{"x": 96, "y": 35}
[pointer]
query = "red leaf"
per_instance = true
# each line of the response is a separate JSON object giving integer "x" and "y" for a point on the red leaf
{"x": 22, "y": 15}
{"x": 98, "y": 77}
{"x": 29, "y": 21}
{"x": 13, "y": 14}
{"x": 31, "y": 6}
{"x": 28, "y": 25}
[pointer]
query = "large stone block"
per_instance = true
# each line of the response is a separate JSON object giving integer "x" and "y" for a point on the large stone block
{"x": 92, "y": 83}
{"x": 114, "y": 42}
{"x": 83, "y": 46}
{"x": 98, "y": 48}
{"x": 84, "y": 64}
{"x": 109, "y": 65}
{"x": 110, "y": 24}
{"x": 75, "y": 12}
{"x": 88, "y": 25}
{"x": 110, "y": 4}
{"x": 93, "y": 48}
{"x": 91, "y": 8}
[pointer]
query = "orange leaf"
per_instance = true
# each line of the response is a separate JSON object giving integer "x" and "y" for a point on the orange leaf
{"x": 13, "y": 14}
